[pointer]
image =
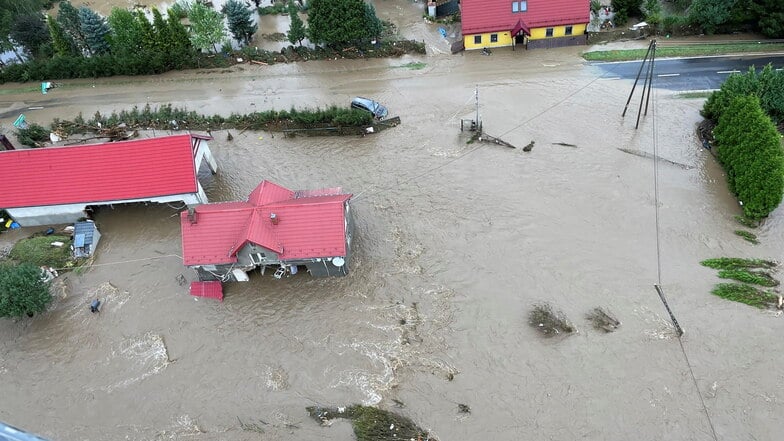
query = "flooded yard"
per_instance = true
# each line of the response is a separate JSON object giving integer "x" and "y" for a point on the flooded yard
{"x": 454, "y": 244}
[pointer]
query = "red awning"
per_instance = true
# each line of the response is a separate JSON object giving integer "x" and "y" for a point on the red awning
{"x": 520, "y": 26}
{"x": 212, "y": 290}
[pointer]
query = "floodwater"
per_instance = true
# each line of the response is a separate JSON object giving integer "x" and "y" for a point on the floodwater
{"x": 454, "y": 244}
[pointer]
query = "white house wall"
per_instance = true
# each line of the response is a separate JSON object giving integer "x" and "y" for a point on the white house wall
{"x": 70, "y": 213}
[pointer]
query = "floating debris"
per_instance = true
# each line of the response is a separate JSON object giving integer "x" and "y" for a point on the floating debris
{"x": 603, "y": 320}
{"x": 371, "y": 424}
{"x": 529, "y": 146}
{"x": 550, "y": 322}
{"x": 565, "y": 144}
{"x": 463, "y": 408}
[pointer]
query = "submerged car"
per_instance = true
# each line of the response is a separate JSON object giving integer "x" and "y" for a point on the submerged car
{"x": 368, "y": 105}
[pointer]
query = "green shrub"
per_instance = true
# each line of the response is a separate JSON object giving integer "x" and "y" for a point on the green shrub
{"x": 746, "y": 276}
{"x": 749, "y": 148}
{"x": 747, "y": 236}
{"x": 725, "y": 263}
{"x": 767, "y": 85}
{"x": 742, "y": 293}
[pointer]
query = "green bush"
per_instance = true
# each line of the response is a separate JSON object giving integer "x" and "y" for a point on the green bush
{"x": 749, "y": 148}
{"x": 746, "y": 276}
{"x": 22, "y": 290}
{"x": 742, "y": 293}
{"x": 728, "y": 263}
{"x": 767, "y": 85}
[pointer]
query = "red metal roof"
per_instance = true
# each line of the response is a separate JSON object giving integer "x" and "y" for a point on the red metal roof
{"x": 479, "y": 16}
{"x": 211, "y": 289}
{"x": 307, "y": 227}
{"x": 98, "y": 172}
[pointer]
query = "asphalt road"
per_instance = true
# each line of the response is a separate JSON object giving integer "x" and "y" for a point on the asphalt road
{"x": 703, "y": 73}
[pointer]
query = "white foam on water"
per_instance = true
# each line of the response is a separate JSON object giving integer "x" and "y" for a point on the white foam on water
{"x": 142, "y": 357}
{"x": 276, "y": 378}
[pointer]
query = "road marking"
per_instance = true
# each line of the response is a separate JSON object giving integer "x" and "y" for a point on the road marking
{"x": 610, "y": 78}
{"x": 728, "y": 71}
{"x": 668, "y": 75}
{"x": 549, "y": 65}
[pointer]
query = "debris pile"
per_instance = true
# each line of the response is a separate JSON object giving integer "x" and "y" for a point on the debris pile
{"x": 550, "y": 322}
{"x": 371, "y": 423}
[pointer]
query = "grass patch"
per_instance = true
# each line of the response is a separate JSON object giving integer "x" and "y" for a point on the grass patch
{"x": 691, "y": 95}
{"x": 746, "y": 222}
{"x": 371, "y": 423}
{"x": 748, "y": 236}
{"x": 746, "y": 276}
{"x": 749, "y": 295}
{"x": 549, "y": 322}
{"x": 683, "y": 51}
{"x": 730, "y": 263}
{"x": 276, "y": 8}
{"x": 414, "y": 65}
{"x": 39, "y": 251}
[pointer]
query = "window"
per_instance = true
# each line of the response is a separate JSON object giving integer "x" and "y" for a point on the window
{"x": 568, "y": 30}
{"x": 548, "y": 32}
{"x": 493, "y": 38}
{"x": 520, "y": 6}
{"x": 477, "y": 39}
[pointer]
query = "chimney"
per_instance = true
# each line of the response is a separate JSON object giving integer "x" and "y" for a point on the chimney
{"x": 192, "y": 215}
{"x": 274, "y": 218}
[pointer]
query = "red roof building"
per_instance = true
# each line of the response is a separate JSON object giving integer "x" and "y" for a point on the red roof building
{"x": 274, "y": 227}
{"x": 55, "y": 184}
{"x": 534, "y": 23}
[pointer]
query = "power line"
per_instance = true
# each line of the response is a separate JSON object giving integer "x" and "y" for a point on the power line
{"x": 658, "y": 233}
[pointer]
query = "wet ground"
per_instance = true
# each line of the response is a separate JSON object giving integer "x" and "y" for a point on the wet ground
{"x": 454, "y": 244}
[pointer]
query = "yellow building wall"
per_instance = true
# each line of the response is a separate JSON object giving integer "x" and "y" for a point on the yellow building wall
{"x": 504, "y": 39}
{"x": 558, "y": 31}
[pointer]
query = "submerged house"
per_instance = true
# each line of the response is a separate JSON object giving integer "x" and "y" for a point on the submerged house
{"x": 85, "y": 239}
{"x": 276, "y": 227}
{"x": 532, "y": 23}
{"x": 56, "y": 185}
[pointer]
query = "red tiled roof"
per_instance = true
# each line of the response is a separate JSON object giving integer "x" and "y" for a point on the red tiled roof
{"x": 98, "y": 172}
{"x": 211, "y": 289}
{"x": 480, "y": 16}
{"x": 308, "y": 227}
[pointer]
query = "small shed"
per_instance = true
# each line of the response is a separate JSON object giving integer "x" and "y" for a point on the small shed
{"x": 85, "y": 239}
{"x": 210, "y": 290}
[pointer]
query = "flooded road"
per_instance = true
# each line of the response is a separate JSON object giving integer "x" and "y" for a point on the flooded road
{"x": 454, "y": 243}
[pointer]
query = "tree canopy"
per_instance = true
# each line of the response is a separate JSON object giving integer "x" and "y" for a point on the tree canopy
{"x": 297, "y": 31}
{"x": 340, "y": 22}
{"x": 239, "y": 19}
{"x": 22, "y": 290}
{"x": 30, "y": 31}
{"x": 95, "y": 30}
{"x": 206, "y": 27}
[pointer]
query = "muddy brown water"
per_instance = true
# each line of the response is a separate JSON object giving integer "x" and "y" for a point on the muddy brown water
{"x": 454, "y": 243}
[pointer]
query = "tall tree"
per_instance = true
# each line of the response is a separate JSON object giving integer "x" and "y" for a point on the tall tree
{"x": 708, "y": 15}
{"x": 68, "y": 17}
{"x": 771, "y": 17}
{"x": 181, "y": 50}
{"x": 30, "y": 31}
{"x": 339, "y": 22}
{"x": 206, "y": 27}
{"x": 239, "y": 19}
{"x": 61, "y": 42}
{"x": 9, "y": 11}
{"x": 126, "y": 37}
{"x": 297, "y": 31}
{"x": 22, "y": 290}
{"x": 95, "y": 30}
